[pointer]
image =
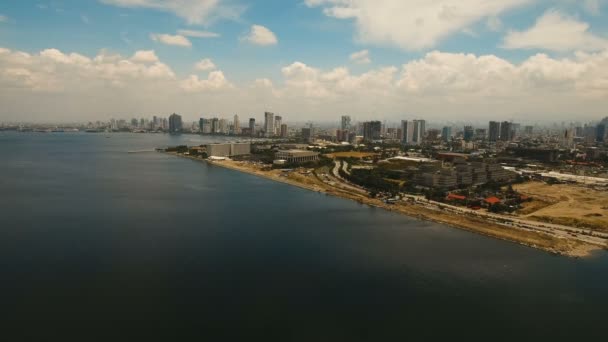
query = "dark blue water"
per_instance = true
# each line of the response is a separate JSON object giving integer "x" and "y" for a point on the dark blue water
{"x": 98, "y": 243}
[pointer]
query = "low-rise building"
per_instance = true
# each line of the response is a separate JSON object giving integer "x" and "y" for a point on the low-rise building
{"x": 297, "y": 156}
{"x": 228, "y": 149}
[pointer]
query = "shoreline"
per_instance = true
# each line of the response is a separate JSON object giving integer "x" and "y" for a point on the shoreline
{"x": 525, "y": 237}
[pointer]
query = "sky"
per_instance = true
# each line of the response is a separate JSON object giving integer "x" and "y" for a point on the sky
{"x": 307, "y": 60}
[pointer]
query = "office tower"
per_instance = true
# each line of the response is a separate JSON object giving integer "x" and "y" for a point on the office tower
{"x": 419, "y": 131}
{"x": 201, "y": 125}
{"x": 175, "y": 123}
{"x": 283, "y": 131}
{"x": 215, "y": 126}
{"x": 372, "y": 130}
{"x": 407, "y": 132}
{"x": 481, "y": 133}
{"x": 307, "y": 134}
{"x": 468, "y": 133}
{"x": 133, "y": 122}
{"x": 446, "y": 134}
{"x": 506, "y": 131}
{"x": 268, "y": 124}
{"x": 223, "y": 126}
{"x": 494, "y": 131}
{"x": 528, "y": 130}
{"x": 142, "y": 123}
{"x": 345, "y": 124}
{"x": 277, "y": 125}
{"x": 252, "y": 126}
{"x": 237, "y": 125}
{"x": 601, "y": 132}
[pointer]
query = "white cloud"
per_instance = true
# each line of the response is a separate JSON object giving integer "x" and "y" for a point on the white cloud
{"x": 214, "y": 82}
{"x": 53, "y": 84}
{"x": 555, "y": 31}
{"x": 145, "y": 56}
{"x": 198, "y": 34}
{"x": 592, "y": 7}
{"x": 194, "y": 11}
{"x": 260, "y": 35}
{"x": 361, "y": 57}
{"x": 3, "y": 18}
{"x": 205, "y": 65}
{"x": 85, "y": 19}
{"x": 413, "y": 24}
{"x": 494, "y": 24}
{"x": 176, "y": 40}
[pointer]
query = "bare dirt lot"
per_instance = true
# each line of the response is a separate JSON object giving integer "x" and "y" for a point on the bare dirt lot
{"x": 569, "y": 205}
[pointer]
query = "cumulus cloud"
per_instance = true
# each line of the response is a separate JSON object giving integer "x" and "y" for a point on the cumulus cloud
{"x": 555, "y": 31}
{"x": 260, "y": 35}
{"x": 168, "y": 39}
{"x": 193, "y": 11}
{"x": 592, "y": 6}
{"x": 412, "y": 25}
{"x": 52, "y": 70}
{"x": 361, "y": 57}
{"x": 437, "y": 86}
{"x": 205, "y": 65}
{"x": 215, "y": 81}
{"x": 145, "y": 56}
{"x": 198, "y": 34}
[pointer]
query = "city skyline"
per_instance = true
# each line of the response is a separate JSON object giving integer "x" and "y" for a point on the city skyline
{"x": 479, "y": 60}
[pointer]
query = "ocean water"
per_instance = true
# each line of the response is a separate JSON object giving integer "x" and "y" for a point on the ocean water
{"x": 96, "y": 243}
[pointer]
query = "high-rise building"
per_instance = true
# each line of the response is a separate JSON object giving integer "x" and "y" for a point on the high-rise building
{"x": 277, "y": 125}
{"x": 494, "y": 131}
{"x": 268, "y": 124}
{"x": 223, "y": 126}
{"x": 175, "y": 123}
{"x": 407, "y": 132}
{"x": 215, "y": 126}
{"x": 237, "y": 125}
{"x": 506, "y": 131}
{"x": 134, "y": 122}
{"x": 528, "y": 130}
{"x": 419, "y": 131}
{"x": 601, "y": 132}
{"x": 252, "y": 126}
{"x": 283, "y": 131}
{"x": 372, "y": 130}
{"x": 481, "y": 133}
{"x": 307, "y": 134}
{"x": 201, "y": 125}
{"x": 469, "y": 133}
{"x": 345, "y": 124}
{"x": 446, "y": 133}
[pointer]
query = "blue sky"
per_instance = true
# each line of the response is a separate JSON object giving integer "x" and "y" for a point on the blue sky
{"x": 320, "y": 34}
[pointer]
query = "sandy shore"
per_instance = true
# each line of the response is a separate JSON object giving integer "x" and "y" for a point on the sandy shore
{"x": 534, "y": 239}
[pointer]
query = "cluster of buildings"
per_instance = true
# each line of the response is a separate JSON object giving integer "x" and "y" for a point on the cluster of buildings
{"x": 273, "y": 127}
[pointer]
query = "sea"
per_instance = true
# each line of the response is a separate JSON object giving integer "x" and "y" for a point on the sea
{"x": 97, "y": 243}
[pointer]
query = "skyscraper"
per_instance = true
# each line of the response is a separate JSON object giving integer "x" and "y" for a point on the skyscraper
{"x": 268, "y": 124}
{"x": 215, "y": 126}
{"x": 407, "y": 132}
{"x": 506, "y": 131}
{"x": 283, "y": 131}
{"x": 237, "y": 125}
{"x": 345, "y": 124}
{"x": 252, "y": 126}
{"x": 469, "y": 133}
{"x": 175, "y": 123}
{"x": 419, "y": 131}
{"x": 601, "y": 132}
{"x": 372, "y": 130}
{"x": 277, "y": 125}
{"x": 494, "y": 131}
{"x": 446, "y": 133}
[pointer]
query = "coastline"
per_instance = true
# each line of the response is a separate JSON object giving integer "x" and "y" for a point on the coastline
{"x": 529, "y": 238}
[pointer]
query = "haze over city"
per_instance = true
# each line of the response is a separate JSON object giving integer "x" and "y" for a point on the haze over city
{"x": 525, "y": 60}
